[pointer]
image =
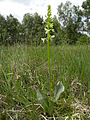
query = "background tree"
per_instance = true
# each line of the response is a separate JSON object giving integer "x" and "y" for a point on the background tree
{"x": 69, "y": 28}
{"x": 57, "y": 32}
{"x": 12, "y": 26}
{"x": 70, "y": 18}
{"x": 86, "y": 15}
{"x": 34, "y": 28}
{"x": 27, "y": 24}
{"x": 38, "y": 29}
{"x": 2, "y": 29}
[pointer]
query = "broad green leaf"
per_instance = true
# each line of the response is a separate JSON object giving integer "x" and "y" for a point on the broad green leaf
{"x": 58, "y": 90}
{"x": 45, "y": 101}
{"x": 40, "y": 95}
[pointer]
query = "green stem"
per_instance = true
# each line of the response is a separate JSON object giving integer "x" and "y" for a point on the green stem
{"x": 49, "y": 64}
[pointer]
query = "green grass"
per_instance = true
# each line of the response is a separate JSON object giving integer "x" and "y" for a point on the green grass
{"x": 24, "y": 69}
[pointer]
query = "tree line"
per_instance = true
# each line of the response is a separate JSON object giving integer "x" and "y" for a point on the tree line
{"x": 72, "y": 26}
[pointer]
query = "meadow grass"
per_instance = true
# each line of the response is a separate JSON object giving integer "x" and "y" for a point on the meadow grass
{"x": 23, "y": 69}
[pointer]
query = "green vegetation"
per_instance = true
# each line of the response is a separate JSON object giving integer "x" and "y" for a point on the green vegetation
{"x": 25, "y": 69}
{"x": 70, "y": 25}
{"x": 33, "y": 75}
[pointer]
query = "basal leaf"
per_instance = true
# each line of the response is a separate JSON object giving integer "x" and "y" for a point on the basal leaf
{"x": 40, "y": 95}
{"x": 58, "y": 90}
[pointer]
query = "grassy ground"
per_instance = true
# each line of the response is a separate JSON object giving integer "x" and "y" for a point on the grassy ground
{"x": 24, "y": 69}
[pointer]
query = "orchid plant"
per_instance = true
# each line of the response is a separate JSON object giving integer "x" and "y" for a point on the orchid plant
{"x": 59, "y": 88}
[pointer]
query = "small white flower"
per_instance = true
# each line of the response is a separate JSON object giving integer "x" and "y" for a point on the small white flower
{"x": 43, "y": 39}
{"x": 53, "y": 36}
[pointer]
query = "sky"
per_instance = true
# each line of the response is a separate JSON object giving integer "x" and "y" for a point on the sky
{"x": 19, "y": 7}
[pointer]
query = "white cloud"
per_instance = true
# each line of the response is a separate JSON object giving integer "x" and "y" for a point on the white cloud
{"x": 16, "y": 9}
{"x": 19, "y": 7}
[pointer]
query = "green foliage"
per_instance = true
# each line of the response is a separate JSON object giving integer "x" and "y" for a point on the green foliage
{"x": 70, "y": 18}
{"x": 2, "y": 29}
{"x": 58, "y": 90}
{"x": 72, "y": 21}
{"x": 33, "y": 28}
{"x": 86, "y": 14}
{"x": 12, "y": 30}
{"x": 27, "y": 71}
{"x": 58, "y": 40}
{"x": 84, "y": 39}
{"x": 24, "y": 72}
{"x": 46, "y": 102}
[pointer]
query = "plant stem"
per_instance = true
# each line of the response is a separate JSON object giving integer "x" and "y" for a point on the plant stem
{"x": 49, "y": 64}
